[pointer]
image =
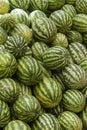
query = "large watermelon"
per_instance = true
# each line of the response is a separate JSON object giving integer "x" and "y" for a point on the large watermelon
{"x": 4, "y": 6}
{"x": 81, "y": 6}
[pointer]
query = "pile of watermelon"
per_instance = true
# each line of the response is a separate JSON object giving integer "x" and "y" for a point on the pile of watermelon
{"x": 43, "y": 64}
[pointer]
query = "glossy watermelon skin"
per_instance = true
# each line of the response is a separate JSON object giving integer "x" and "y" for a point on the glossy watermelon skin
{"x": 74, "y": 76}
{"x": 38, "y": 48}
{"x": 35, "y": 15}
{"x": 27, "y": 108}
{"x": 48, "y": 92}
{"x": 17, "y": 124}
{"x": 62, "y": 20}
{"x": 3, "y": 36}
{"x": 22, "y": 4}
{"x": 81, "y": 6}
{"x": 60, "y": 40}
{"x": 44, "y": 29}
{"x": 83, "y": 63}
{"x": 29, "y": 73}
{"x": 80, "y": 23}
{"x": 4, "y": 6}
{"x": 4, "y": 114}
{"x": 20, "y": 16}
{"x": 70, "y": 9}
{"x": 78, "y": 51}
{"x": 84, "y": 117}
{"x": 66, "y": 118}
{"x": 55, "y": 57}
{"x": 74, "y": 36}
{"x": 73, "y": 100}
{"x": 47, "y": 121}
{"x": 9, "y": 90}
{"x": 55, "y": 4}
{"x": 18, "y": 46}
{"x": 8, "y": 64}
{"x": 22, "y": 30}
{"x": 39, "y": 5}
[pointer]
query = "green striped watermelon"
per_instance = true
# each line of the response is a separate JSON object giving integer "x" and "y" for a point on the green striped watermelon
{"x": 20, "y": 16}
{"x": 22, "y": 4}
{"x": 70, "y": 121}
{"x": 83, "y": 63}
{"x": 55, "y": 4}
{"x": 84, "y": 117}
{"x": 78, "y": 51}
{"x": 3, "y": 35}
{"x": 17, "y": 125}
{"x": 46, "y": 122}
{"x": 80, "y": 23}
{"x": 27, "y": 108}
{"x": 8, "y": 64}
{"x": 62, "y": 20}
{"x": 48, "y": 92}
{"x": 70, "y": 9}
{"x": 29, "y": 71}
{"x": 23, "y": 30}
{"x": 7, "y": 22}
{"x": 44, "y": 29}
{"x": 70, "y": 1}
{"x": 38, "y": 49}
{"x": 74, "y": 76}
{"x": 4, "y": 114}
{"x": 17, "y": 45}
{"x": 74, "y": 36}
{"x": 55, "y": 57}
{"x": 4, "y": 6}
{"x": 81, "y": 6}
{"x": 60, "y": 40}
{"x": 36, "y": 14}
{"x": 9, "y": 90}
{"x": 39, "y": 5}
{"x": 73, "y": 100}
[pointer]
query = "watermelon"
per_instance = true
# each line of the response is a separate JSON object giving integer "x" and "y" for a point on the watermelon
{"x": 60, "y": 40}
{"x": 4, "y": 114}
{"x": 70, "y": 121}
{"x": 38, "y": 49}
{"x": 55, "y": 4}
{"x": 39, "y": 5}
{"x": 80, "y": 23}
{"x": 83, "y": 63}
{"x": 78, "y": 51}
{"x": 73, "y": 100}
{"x": 84, "y": 91}
{"x": 74, "y": 76}
{"x": 62, "y": 20}
{"x": 7, "y": 22}
{"x": 23, "y": 30}
{"x": 3, "y": 36}
{"x": 46, "y": 122}
{"x": 48, "y": 92}
{"x": 4, "y": 6}
{"x": 29, "y": 71}
{"x": 17, "y": 125}
{"x": 70, "y": 9}
{"x": 35, "y": 15}
{"x": 18, "y": 46}
{"x": 44, "y": 29}
{"x": 74, "y": 36}
{"x": 9, "y": 90}
{"x": 70, "y": 1}
{"x": 22, "y": 4}
{"x": 55, "y": 57}
{"x": 27, "y": 108}
{"x": 20, "y": 16}
{"x": 84, "y": 117}
{"x": 8, "y": 64}
{"x": 81, "y": 6}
